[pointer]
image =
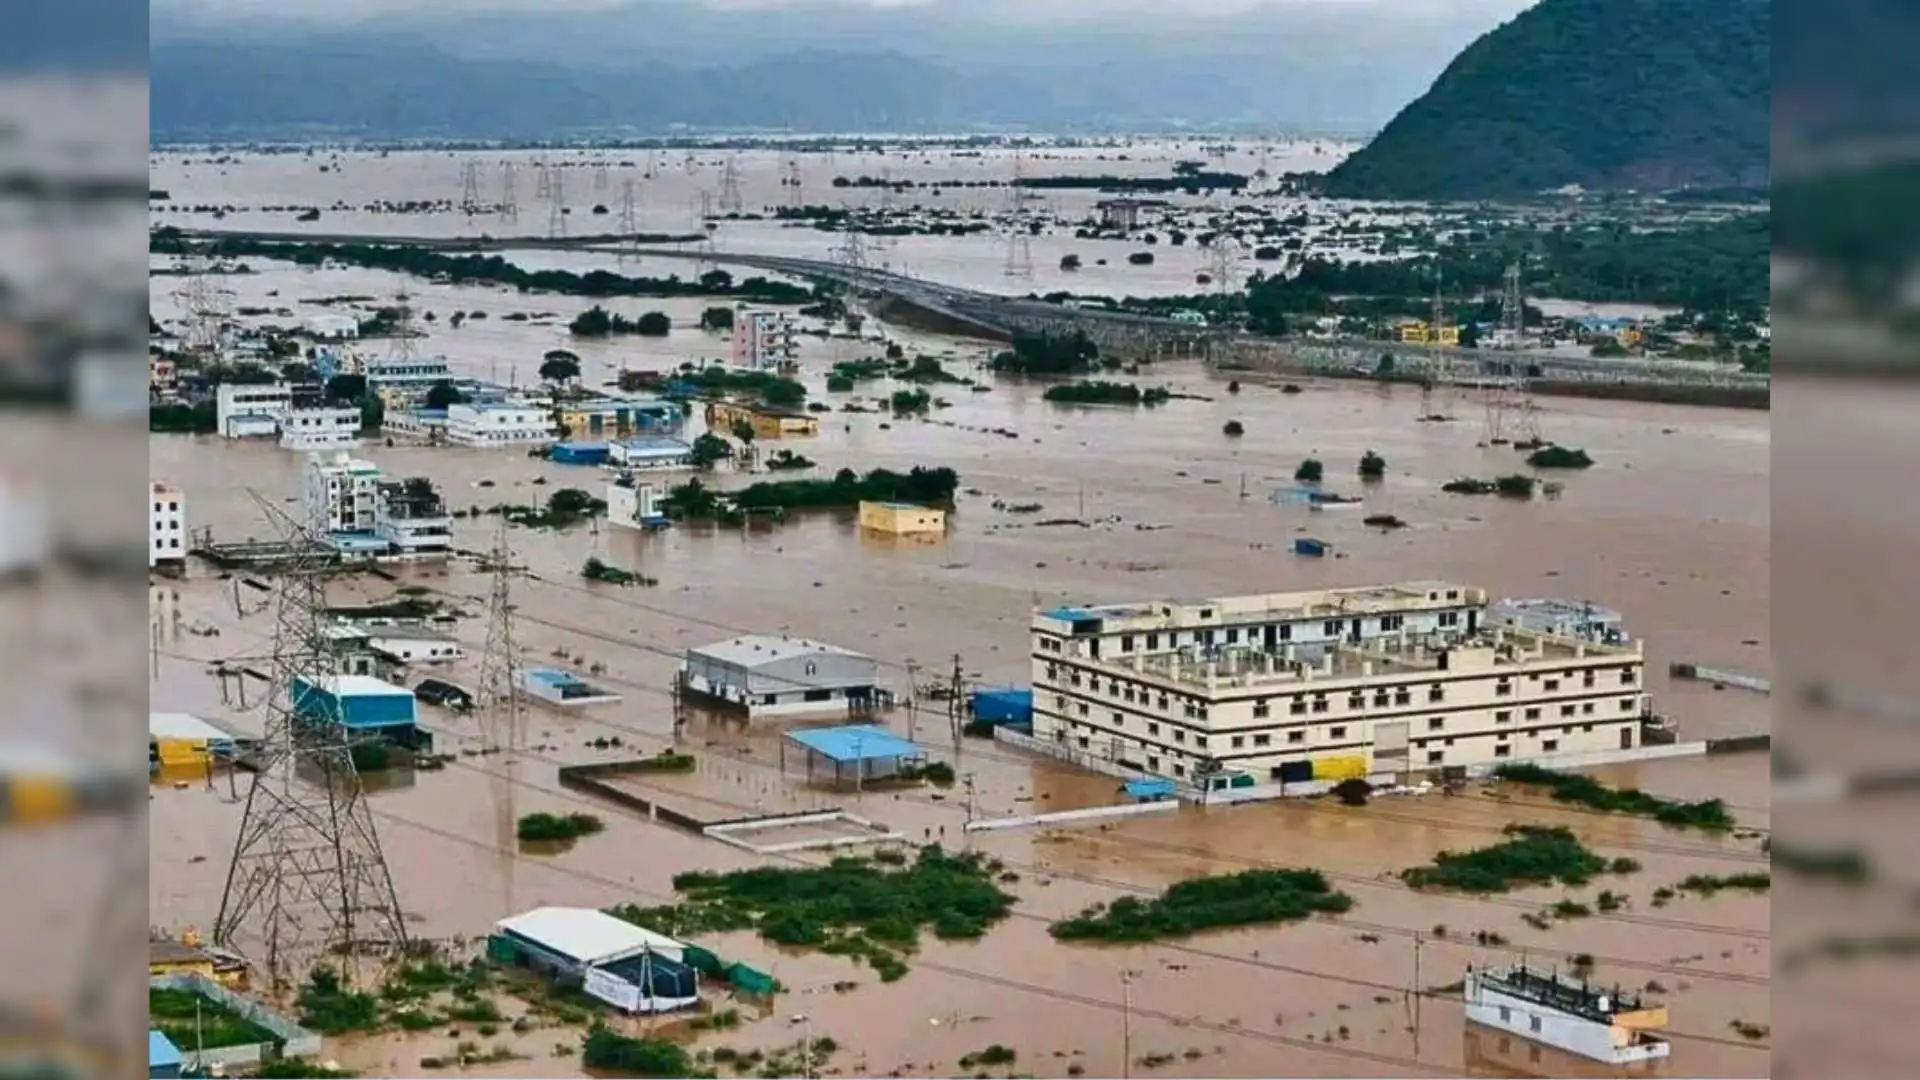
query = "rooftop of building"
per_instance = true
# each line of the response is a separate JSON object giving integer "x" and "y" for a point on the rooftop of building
{"x": 856, "y": 742}
{"x": 1563, "y": 993}
{"x": 1253, "y": 666}
{"x": 584, "y": 935}
{"x": 356, "y": 686}
{"x": 752, "y": 650}
{"x": 1312, "y": 604}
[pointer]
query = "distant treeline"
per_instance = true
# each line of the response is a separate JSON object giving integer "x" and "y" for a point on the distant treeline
{"x": 481, "y": 269}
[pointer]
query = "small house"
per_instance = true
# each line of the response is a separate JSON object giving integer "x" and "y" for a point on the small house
{"x": 629, "y": 967}
{"x": 902, "y": 519}
{"x": 1612, "y": 1026}
{"x": 580, "y": 453}
{"x": 563, "y": 688}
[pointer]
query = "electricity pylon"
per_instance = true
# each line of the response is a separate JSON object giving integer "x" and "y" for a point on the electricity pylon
{"x": 502, "y": 726}
{"x": 308, "y": 880}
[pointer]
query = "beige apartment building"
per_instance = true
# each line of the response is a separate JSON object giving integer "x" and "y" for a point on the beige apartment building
{"x": 1326, "y": 684}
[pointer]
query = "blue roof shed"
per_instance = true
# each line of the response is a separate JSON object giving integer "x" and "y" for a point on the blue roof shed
{"x": 580, "y": 453}
{"x": 360, "y": 702}
{"x": 1003, "y": 706}
{"x": 858, "y": 751}
{"x": 163, "y": 1058}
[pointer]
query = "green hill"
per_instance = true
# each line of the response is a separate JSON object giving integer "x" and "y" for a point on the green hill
{"x": 1607, "y": 94}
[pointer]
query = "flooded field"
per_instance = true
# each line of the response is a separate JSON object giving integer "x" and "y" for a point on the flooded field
{"x": 1671, "y": 528}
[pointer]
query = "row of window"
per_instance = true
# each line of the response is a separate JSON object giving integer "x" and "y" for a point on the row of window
{"x": 1318, "y": 703}
{"x": 1335, "y": 733}
{"x": 1233, "y": 635}
{"x": 1502, "y": 749}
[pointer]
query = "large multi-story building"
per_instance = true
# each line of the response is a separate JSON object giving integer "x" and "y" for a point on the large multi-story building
{"x": 763, "y": 340}
{"x": 343, "y": 494}
{"x": 319, "y": 426}
{"x": 166, "y": 526}
{"x": 250, "y": 410}
{"x": 502, "y": 424}
{"x": 1338, "y": 682}
{"x": 412, "y": 517}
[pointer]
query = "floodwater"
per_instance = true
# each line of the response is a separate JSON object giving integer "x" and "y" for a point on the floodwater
{"x": 267, "y": 192}
{"x": 1671, "y": 527}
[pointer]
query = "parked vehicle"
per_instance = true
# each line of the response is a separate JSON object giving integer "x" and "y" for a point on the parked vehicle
{"x": 444, "y": 694}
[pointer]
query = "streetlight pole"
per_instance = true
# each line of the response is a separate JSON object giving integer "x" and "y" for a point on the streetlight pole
{"x": 805, "y": 1021}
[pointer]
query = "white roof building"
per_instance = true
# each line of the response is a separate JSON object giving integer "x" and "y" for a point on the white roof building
{"x": 588, "y": 937}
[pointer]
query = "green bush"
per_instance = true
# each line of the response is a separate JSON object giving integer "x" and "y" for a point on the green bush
{"x": 327, "y": 1006}
{"x": 1534, "y": 855}
{"x": 625, "y": 1056}
{"x": 1096, "y": 392}
{"x": 1233, "y": 429}
{"x": 1372, "y": 466}
{"x": 1248, "y": 898}
{"x": 545, "y": 826}
{"x": 1559, "y": 457}
{"x": 1708, "y": 814}
{"x": 1309, "y": 472}
{"x": 865, "y": 909}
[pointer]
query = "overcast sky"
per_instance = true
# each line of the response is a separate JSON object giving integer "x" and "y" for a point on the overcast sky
{"x": 1495, "y": 10}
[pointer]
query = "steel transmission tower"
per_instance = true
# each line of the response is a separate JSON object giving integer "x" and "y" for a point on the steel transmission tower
{"x": 1019, "y": 235}
{"x": 470, "y": 188}
{"x": 556, "y": 204}
{"x": 653, "y": 164}
{"x": 602, "y": 179}
{"x": 731, "y": 200}
{"x": 503, "y": 726}
{"x": 1438, "y": 394}
{"x": 543, "y": 184}
{"x": 509, "y": 198}
{"x": 206, "y": 302}
{"x": 630, "y": 210}
{"x": 308, "y": 879}
{"x": 1224, "y": 257}
{"x": 1513, "y": 310}
{"x": 796, "y": 191}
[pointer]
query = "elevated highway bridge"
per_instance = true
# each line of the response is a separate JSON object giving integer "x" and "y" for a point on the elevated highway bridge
{"x": 1125, "y": 335}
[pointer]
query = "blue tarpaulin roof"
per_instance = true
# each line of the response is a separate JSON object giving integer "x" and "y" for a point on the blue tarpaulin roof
{"x": 856, "y": 742}
{"x": 1071, "y": 614}
{"x": 161, "y": 1053}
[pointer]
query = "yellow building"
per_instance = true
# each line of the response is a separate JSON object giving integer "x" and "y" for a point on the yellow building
{"x": 902, "y": 519}
{"x": 168, "y": 957}
{"x": 183, "y": 745}
{"x": 1420, "y": 332}
{"x": 766, "y": 423}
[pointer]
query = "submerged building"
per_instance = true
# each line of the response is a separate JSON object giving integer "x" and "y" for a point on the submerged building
{"x": 1618, "y": 1028}
{"x": 764, "y": 675}
{"x": 1328, "y": 684}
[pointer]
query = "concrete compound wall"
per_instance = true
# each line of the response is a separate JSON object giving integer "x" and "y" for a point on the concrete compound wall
{"x": 295, "y": 1040}
{"x": 1064, "y": 817}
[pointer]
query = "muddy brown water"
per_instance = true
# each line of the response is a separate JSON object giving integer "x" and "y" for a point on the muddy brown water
{"x": 1671, "y": 527}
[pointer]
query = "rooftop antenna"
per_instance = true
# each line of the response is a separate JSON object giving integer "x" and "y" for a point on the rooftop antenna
{"x": 307, "y": 879}
{"x": 470, "y": 188}
{"x": 509, "y": 198}
{"x": 503, "y": 726}
{"x": 731, "y": 201}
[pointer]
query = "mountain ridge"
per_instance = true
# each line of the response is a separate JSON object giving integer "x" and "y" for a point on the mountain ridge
{"x": 1604, "y": 94}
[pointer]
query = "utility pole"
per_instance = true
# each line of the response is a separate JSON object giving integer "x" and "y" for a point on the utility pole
{"x": 503, "y": 728}
{"x": 913, "y": 699}
{"x": 972, "y": 797}
{"x": 307, "y": 879}
{"x": 1419, "y": 991}
{"x": 1126, "y": 1025}
{"x": 956, "y": 691}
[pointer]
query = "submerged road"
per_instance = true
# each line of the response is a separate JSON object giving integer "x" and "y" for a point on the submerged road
{"x": 1121, "y": 334}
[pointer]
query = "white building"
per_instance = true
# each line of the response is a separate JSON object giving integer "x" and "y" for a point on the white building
{"x": 505, "y": 424}
{"x": 332, "y": 327}
{"x": 1312, "y": 686}
{"x": 343, "y": 494}
{"x": 650, "y": 452}
{"x": 634, "y": 504}
{"x": 399, "y": 644}
{"x": 397, "y": 380}
{"x": 412, "y": 517}
{"x": 250, "y": 410}
{"x": 764, "y": 675}
{"x": 1614, "y": 1027}
{"x": 320, "y": 427}
{"x": 166, "y": 526}
{"x": 762, "y": 339}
